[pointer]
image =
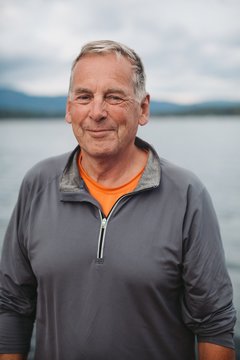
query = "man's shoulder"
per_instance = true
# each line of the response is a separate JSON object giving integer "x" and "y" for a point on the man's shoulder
{"x": 46, "y": 170}
{"x": 179, "y": 176}
{"x": 174, "y": 176}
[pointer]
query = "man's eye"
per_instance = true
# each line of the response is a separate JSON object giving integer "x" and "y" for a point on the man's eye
{"x": 83, "y": 99}
{"x": 114, "y": 99}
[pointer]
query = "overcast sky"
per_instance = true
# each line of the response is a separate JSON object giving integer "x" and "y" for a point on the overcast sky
{"x": 190, "y": 48}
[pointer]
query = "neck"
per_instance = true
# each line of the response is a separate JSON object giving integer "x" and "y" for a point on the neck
{"x": 114, "y": 171}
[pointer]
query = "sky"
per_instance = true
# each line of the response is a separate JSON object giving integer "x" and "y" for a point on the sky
{"x": 190, "y": 48}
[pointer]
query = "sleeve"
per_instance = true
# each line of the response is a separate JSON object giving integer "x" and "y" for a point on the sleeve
{"x": 207, "y": 307}
{"x": 17, "y": 282}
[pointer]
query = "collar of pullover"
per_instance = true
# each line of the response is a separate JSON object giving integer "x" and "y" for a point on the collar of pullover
{"x": 71, "y": 183}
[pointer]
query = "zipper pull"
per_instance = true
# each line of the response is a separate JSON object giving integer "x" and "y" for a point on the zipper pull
{"x": 104, "y": 222}
{"x": 101, "y": 239}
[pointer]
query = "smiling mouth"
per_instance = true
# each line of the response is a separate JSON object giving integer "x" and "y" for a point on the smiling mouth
{"x": 99, "y": 132}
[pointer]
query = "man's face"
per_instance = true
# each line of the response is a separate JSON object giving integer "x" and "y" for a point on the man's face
{"x": 102, "y": 108}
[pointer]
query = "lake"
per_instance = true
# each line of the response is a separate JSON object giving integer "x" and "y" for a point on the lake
{"x": 209, "y": 146}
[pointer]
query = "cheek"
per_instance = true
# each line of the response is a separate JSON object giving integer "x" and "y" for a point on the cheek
{"x": 78, "y": 114}
{"x": 121, "y": 115}
{"x": 76, "y": 118}
{"x": 78, "y": 131}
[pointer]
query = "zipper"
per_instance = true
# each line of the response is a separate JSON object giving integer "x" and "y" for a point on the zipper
{"x": 103, "y": 227}
{"x": 101, "y": 237}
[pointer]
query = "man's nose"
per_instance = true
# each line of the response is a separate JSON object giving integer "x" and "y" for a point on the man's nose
{"x": 98, "y": 110}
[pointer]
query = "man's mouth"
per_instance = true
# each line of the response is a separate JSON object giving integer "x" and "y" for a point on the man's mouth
{"x": 99, "y": 132}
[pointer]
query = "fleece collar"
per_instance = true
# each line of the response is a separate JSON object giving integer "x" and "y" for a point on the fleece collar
{"x": 71, "y": 182}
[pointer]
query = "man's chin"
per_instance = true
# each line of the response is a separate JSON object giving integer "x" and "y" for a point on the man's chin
{"x": 100, "y": 152}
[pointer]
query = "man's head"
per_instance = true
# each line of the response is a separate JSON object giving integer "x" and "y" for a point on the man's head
{"x": 107, "y": 99}
{"x": 113, "y": 47}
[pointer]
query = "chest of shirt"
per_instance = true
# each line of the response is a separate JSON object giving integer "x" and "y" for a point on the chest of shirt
{"x": 142, "y": 241}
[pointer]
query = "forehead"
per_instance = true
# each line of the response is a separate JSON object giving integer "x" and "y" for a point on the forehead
{"x": 108, "y": 68}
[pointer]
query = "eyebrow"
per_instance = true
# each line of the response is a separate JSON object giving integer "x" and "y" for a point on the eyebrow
{"x": 116, "y": 91}
{"x": 81, "y": 90}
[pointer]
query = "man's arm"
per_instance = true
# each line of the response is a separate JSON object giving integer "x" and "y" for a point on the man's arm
{"x": 12, "y": 357}
{"x": 207, "y": 307}
{"x": 18, "y": 285}
{"x": 208, "y": 351}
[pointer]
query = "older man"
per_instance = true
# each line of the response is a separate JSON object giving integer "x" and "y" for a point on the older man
{"x": 114, "y": 252}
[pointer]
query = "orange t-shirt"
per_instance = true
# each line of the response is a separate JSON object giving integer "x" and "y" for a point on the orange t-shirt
{"x": 104, "y": 195}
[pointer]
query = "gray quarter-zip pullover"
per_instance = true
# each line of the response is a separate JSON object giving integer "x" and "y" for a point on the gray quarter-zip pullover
{"x": 139, "y": 284}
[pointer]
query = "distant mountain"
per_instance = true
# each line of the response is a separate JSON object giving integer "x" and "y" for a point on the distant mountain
{"x": 159, "y": 108}
{"x": 20, "y": 105}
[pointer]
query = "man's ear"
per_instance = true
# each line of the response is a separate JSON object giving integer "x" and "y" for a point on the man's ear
{"x": 145, "y": 109}
{"x": 68, "y": 117}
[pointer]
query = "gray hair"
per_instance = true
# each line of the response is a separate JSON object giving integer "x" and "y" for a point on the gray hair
{"x": 109, "y": 46}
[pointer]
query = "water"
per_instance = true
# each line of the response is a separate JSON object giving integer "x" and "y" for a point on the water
{"x": 209, "y": 146}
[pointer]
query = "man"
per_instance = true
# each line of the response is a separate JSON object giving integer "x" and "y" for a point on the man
{"x": 115, "y": 252}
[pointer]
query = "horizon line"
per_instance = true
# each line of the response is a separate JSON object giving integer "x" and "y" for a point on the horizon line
{"x": 153, "y": 99}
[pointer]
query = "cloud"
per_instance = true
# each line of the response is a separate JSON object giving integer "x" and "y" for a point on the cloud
{"x": 191, "y": 50}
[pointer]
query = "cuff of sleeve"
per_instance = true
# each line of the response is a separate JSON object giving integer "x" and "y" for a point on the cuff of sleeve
{"x": 15, "y": 334}
{"x": 224, "y": 339}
